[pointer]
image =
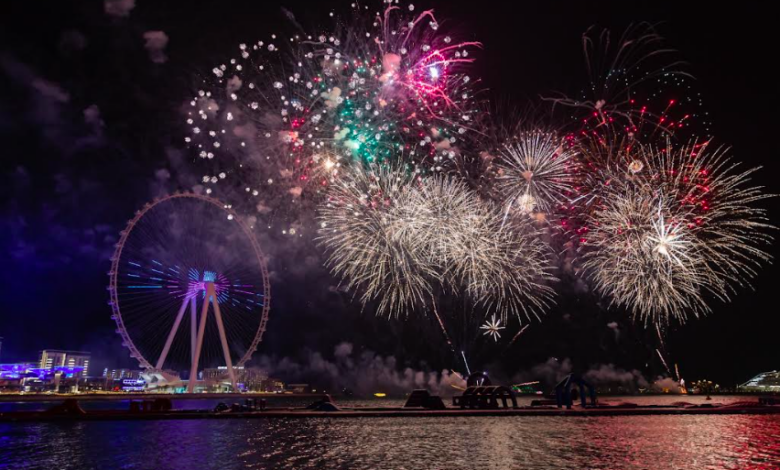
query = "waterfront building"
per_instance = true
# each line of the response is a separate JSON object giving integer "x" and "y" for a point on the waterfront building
{"x": 93, "y": 384}
{"x": 15, "y": 371}
{"x": 271, "y": 385}
{"x": 30, "y": 377}
{"x": 120, "y": 374}
{"x": 249, "y": 378}
{"x": 53, "y": 358}
{"x": 763, "y": 382}
{"x": 299, "y": 388}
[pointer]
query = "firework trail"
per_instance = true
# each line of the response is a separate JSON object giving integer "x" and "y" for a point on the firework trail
{"x": 638, "y": 88}
{"x": 660, "y": 336}
{"x": 522, "y": 330}
{"x": 663, "y": 361}
{"x": 468, "y": 369}
{"x": 441, "y": 325}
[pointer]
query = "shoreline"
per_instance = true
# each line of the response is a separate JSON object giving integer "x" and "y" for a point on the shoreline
{"x": 14, "y": 398}
{"x": 651, "y": 410}
{"x": 21, "y": 398}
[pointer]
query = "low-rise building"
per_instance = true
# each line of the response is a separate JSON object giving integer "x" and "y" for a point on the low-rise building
{"x": 250, "y": 379}
{"x": 28, "y": 377}
{"x": 298, "y": 388}
{"x": 120, "y": 374}
{"x": 763, "y": 382}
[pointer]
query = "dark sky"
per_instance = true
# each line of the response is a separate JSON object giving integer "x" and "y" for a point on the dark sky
{"x": 91, "y": 128}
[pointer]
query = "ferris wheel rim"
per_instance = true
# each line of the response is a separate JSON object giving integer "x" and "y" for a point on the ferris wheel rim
{"x": 116, "y": 315}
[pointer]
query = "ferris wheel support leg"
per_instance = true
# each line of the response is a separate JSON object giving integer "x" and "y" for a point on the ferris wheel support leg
{"x": 172, "y": 334}
{"x": 199, "y": 344}
{"x": 223, "y": 338}
{"x": 193, "y": 328}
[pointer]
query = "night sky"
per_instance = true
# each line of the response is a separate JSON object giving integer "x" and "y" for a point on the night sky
{"x": 91, "y": 127}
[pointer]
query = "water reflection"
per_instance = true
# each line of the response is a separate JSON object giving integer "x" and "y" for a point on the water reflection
{"x": 629, "y": 442}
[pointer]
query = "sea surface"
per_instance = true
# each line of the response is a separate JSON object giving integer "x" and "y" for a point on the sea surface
{"x": 619, "y": 442}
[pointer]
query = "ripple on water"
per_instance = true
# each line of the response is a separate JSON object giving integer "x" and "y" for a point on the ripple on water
{"x": 627, "y": 442}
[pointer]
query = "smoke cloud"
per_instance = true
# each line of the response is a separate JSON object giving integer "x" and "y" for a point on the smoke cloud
{"x": 364, "y": 373}
{"x": 666, "y": 385}
{"x": 552, "y": 371}
{"x": 118, "y": 8}
{"x": 155, "y": 45}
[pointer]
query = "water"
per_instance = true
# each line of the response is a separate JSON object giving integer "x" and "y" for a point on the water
{"x": 626, "y": 442}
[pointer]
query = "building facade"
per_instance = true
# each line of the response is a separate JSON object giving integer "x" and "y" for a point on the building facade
{"x": 28, "y": 377}
{"x": 53, "y": 358}
{"x": 763, "y": 382}
{"x": 248, "y": 378}
{"x": 120, "y": 374}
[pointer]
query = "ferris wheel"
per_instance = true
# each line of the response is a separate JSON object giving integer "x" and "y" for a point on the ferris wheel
{"x": 189, "y": 287}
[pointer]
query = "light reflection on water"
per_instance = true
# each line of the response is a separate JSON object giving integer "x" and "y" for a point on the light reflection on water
{"x": 627, "y": 442}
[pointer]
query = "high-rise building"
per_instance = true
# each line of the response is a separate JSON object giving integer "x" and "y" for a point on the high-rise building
{"x": 51, "y": 358}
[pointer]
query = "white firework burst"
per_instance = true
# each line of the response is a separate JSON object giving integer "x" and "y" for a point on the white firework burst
{"x": 396, "y": 238}
{"x": 477, "y": 254}
{"x": 369, "y": 242}
{"x": 653, "y": 275}
{"x": 669, "y": 239}
{"x": 492, "y": 328}
{"x": 682, "y": 229}
{"x": 536, "y": 172}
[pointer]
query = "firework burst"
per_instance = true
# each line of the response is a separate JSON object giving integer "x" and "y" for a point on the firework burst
{"x": 401, "y": 239}
{"x": 638, "y": 268}
{"x": 672, "y": 227}
{"x": 638, "y": 88}
{"x": 294, "y": 112}
{"x": 492, "y": 328}
{"x": 536, "y": 172}
{"x": 366, "y": 123}
{"x": 370, "y": 240}
{"x": 478, "y": 254}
